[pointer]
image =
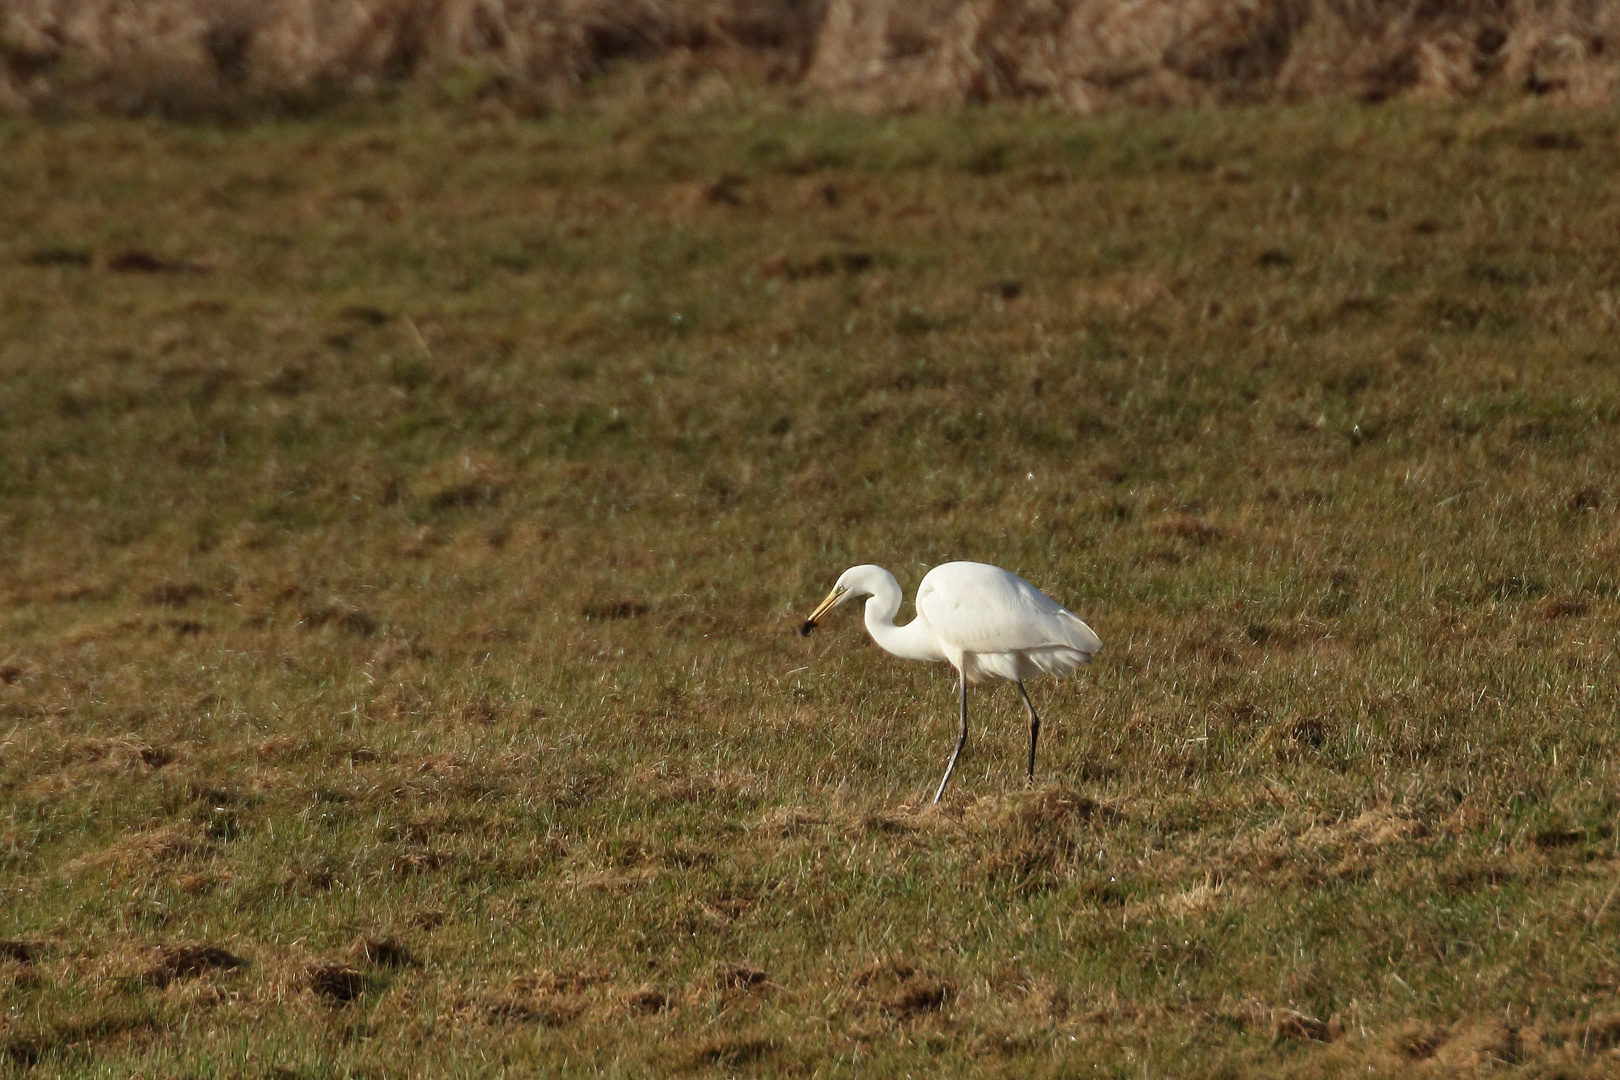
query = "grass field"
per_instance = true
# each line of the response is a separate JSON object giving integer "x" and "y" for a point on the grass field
{"x": 404, "y": 520}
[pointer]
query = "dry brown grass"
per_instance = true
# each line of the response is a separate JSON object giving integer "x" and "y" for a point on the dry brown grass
{"x": 192, "y": 57}
{"x": 204, "y": 55}
{"x": 1095, "y": 54}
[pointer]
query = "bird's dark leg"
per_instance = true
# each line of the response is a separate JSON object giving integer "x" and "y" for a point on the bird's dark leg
{"x": 1034, "y": 733}
{"x": 961, "y": 736}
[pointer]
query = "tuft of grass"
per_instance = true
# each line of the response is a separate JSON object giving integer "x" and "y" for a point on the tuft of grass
{"x": 399, "y": 592}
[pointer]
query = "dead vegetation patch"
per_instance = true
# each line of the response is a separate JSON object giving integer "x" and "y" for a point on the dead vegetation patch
{"x": 1327, "y": 848}
{"x": 20, "y": 952}
{"x": 387, "y": 952}
{"x": 569, "y": 980}
{"x": 200, "y": 884}
{"x": 727, "y": 905}
{"x": 466, "y": 481}
{"x": 1471, "y": 874}
{"x": 174, "y": 594}
{"x": 609, "y": 610}
{"x": 1586, "y": 499}
{"x": 1294, "y": 737}
{"x": 336, "y": 982}
{"x": 1010, "y": 1043}
{"x": 1036, "y": 996}
{"x": 354, "y": 620}
{"x": 901, "y": 989}
{"x": 744, "y": 977}
{"x": 1042, "y": 810}
{"x": 1382, "y": 826}
{"x": 1420, "y": 1041}
{"x": 313, "y": 878}
{"x": 119, "y": 753}
{"x": 189, "y": 961}
{"x": 1197, "y": 531}
{"x": 1198, "y": 900}
{"x": 1034, "y": 836}
{"x": 545, "y": 1011}
{"x": 142, "y": 261}
{"x": 821, "y": 265}
{"x": 1290, "y": 1025}
{"x": 1286, "y": 633}
{"x": 645, "y": 1000}
{"x": 551, "y": 998}
{"x": 1597, "y": 1034}
{"x": 786, "y": 821}
{"x": 1468, "y": 1043}
{"x": 411, "y": 861}
{"x": 142, "y": 851}
{"x": 1557, "y": 836}
{"x": 1563, "y": 607}
{"x": 902, "y": 822}
{"x": 731, "y": 1052}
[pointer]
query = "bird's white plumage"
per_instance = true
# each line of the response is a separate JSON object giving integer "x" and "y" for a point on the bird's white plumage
{"x": 991, "y": 623}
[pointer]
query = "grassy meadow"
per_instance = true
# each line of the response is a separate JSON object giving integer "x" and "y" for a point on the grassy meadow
{"x": 405, "y": 517}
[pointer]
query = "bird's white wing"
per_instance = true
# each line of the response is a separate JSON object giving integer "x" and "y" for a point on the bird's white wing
{"x": 979, "y": 608}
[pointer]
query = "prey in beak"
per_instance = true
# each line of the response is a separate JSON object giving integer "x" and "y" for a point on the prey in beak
{"x": 821, "y": 609}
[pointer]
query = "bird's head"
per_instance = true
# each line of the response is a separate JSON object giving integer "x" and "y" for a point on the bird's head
{"x": 852, "y": 585}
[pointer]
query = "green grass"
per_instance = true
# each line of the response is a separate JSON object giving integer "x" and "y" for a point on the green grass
{"x": 404, "y": 520}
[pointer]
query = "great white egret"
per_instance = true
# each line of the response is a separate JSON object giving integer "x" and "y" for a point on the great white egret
{"x": 986, "y": 622}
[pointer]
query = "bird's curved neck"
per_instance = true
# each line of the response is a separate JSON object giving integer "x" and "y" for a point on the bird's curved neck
{"x": 913, "y": 641}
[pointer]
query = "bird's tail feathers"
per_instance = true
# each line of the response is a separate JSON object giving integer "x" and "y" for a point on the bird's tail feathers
{"x": 1084, "y": 638}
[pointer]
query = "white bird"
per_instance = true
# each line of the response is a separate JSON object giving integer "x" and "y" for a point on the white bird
{"x": 984, "y": 621}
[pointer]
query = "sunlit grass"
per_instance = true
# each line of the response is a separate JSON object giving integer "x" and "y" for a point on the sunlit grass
{"x": 404, "y": 520}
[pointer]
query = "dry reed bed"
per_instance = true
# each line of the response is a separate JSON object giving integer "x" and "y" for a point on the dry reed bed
{"x": 208, "y": 56}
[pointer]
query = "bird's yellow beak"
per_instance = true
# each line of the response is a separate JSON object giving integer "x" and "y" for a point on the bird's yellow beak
{"x": 821, "y": 609}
